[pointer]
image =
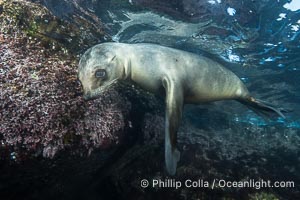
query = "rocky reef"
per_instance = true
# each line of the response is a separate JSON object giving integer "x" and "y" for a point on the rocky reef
{"x": 46, "y": 127}
{"x": 42, "y": 110}
{"x": 74, "y": 34}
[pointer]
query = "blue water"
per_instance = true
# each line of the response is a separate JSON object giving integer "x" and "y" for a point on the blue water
{"x": 258, "y": 41}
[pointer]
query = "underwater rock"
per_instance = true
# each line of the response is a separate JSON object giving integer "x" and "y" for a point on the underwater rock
{"x": 42, "y": 115}
{"x": 53, "y": 32}
{"x": 42, "y": 111}
{"x": 234, "y": 153}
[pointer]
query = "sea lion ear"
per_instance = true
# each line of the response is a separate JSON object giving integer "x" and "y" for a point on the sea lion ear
{"x": 113, "y": 58}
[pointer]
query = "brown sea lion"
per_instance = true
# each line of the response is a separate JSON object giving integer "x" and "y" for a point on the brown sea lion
{"x": 183, "y": 77}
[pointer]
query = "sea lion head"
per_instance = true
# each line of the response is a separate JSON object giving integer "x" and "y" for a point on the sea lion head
{"x": 99, "y": 69}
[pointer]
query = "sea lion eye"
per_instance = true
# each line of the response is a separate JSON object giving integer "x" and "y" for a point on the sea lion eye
{"x": 100, "y": 73}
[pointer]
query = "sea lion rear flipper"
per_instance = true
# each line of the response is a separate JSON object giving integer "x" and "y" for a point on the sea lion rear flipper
{"x": 261, "y": 107}
{"x": 174, "y": 105}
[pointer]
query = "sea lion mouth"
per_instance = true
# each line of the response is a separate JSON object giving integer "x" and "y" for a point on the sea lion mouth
{"x": 97, "y": 92}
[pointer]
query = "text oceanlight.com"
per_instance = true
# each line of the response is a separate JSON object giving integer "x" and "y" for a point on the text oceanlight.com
{"x": 216, "y": 183}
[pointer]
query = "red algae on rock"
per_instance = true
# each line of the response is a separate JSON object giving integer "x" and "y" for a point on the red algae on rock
{"x": 41, "y": 110}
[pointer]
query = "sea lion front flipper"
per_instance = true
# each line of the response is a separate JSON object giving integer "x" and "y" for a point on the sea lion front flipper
{"x": 174, "y": 105}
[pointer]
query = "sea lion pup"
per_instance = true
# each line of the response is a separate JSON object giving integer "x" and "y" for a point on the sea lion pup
{"x": 184, "y": 78}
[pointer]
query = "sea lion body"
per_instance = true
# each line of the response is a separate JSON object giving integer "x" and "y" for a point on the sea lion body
{"x": 201, "y": 79}
{"x": 182, "y": 77}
